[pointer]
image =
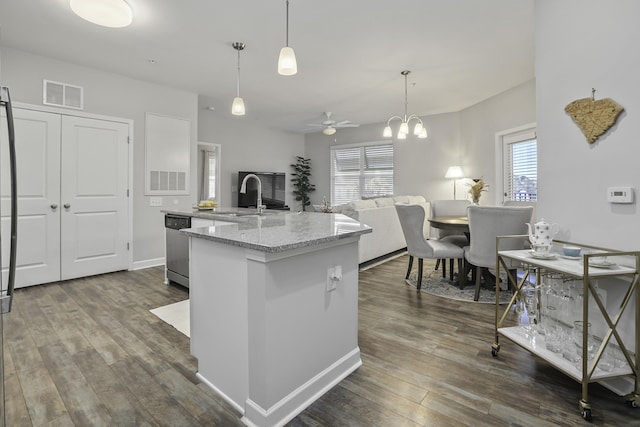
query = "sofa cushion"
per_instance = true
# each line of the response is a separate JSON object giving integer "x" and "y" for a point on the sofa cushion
{"x": 414, "y": 200}
{"x": 381, "y": 202}
{"x": 401, "y": 199}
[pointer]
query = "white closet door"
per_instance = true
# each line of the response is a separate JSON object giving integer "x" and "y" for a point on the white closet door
{"x": 38, "y": 171}
{"x": 94, "y": 197}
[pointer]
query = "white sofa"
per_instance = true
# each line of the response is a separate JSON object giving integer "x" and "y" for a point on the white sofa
{"x": 380, "y": 214}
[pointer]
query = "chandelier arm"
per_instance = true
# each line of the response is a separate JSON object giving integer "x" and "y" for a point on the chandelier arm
{"x": 392, "y": 118}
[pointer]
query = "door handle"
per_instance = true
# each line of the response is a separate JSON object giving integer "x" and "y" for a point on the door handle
{"x": 54, "y": 206}
{"x": 67, "y": 205}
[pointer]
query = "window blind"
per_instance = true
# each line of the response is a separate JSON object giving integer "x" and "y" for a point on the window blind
{"x": 521, "y": 170}
{"x": 361, "y": 172}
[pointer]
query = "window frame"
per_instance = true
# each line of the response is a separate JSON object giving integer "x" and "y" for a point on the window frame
{"x": 502, "y": 139}
{"x": 362, "y": 168}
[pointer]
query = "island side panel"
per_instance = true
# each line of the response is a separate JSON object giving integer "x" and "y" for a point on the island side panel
{"x": 303, "y": 339}
{"x": 218, "y": 315}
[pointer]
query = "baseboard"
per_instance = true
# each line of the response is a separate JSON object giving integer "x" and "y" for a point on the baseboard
{"x": 220, "y": 393}
{"x": 299, "y": 399}
{"x": 141, "y": 265}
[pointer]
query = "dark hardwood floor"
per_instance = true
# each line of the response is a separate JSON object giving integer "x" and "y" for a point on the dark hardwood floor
{"x": 88, "y": 352}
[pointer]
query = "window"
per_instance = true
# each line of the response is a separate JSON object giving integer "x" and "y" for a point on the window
{"x": 208, "y": 171}
{"x": 361, "y": 172}
{"x": 519, "y": 164}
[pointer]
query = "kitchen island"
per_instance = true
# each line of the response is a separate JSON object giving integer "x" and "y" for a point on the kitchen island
{"x": 274, "y": 309}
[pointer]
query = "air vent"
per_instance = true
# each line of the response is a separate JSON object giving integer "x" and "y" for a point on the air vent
{"x": 167, "y": 181}
{"x": 62, "y": 95}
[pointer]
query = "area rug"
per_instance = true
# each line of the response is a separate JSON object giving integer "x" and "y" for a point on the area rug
{"x": 433, "y": 283}
{"x": 176, "y": 314}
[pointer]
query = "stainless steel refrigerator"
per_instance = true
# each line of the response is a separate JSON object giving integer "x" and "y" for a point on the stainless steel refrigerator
{"x": 6, "y": 290}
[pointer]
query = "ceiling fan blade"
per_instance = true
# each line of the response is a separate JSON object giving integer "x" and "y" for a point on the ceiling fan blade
{"x": 344, "y": 122}
{"x": 315, "y": 124}
{"x": 347, "y": 125}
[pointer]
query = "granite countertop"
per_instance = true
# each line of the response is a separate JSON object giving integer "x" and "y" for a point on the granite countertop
{"x": 274, "y": 231}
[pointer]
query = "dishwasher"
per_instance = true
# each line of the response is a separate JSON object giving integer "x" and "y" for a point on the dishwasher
{"x": 177, "y": 248}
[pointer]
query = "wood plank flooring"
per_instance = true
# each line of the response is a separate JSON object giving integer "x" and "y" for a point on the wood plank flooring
{"x": 88, "y": 352}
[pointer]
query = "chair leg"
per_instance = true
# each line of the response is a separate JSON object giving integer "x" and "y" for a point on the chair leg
{"x": 478, "y": 279}
{"x": 437, "y": 264}
{"x": 462, "y": 278}
{"x": 451, "y": 269}
{"x": 410, "y": 266}
{"x": 419, "y": 273}
{"x": 444, "y": 268}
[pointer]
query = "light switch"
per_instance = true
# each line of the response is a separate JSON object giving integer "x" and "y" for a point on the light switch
{"x": 155, "y": 201}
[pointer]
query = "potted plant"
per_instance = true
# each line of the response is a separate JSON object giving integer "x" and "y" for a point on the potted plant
{"x": 301, "y": 183}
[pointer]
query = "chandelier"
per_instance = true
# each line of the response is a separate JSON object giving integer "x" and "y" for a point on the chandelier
{"x": 419, "y": 130}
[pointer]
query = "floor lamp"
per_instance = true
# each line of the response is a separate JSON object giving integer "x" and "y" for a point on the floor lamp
{"x": 454, "y": 172}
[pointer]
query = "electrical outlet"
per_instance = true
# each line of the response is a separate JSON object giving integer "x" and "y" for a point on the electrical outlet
{"x": 155, "y": 201}
{"x": 334, "y": 276}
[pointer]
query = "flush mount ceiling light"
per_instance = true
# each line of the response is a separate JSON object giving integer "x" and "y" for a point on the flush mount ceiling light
{"x": 108, "y": 13}
{"x": 419, "y": 130}
{"x": 329, "y": 130}
{"x": 287, "y": 65}
{"x": 237, "y": 108}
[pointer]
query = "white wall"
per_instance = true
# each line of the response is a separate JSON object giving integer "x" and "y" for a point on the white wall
{"x": 584, "y": 44}
{"x": 247, "y": 146}
{"x": 465, "y": 138}
{"x": 479, "y": 125}
{"x": 117, "y": 96}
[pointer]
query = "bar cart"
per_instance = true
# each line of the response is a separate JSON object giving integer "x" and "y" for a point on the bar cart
{"x": 592, "y": 265}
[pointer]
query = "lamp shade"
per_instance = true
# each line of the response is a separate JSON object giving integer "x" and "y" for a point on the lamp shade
{"x": 423, "y": 133}
{"x": 404, "y": 128}
{"x": 387, "y": 132}
{"x": 402, "y": 135}
{"x": 287, "y": 65}
{"x": 107, "y": 13}
{"x": 237, "y": 108}
{"x": 454, "y": 172}
{"x": 418, "y": 128}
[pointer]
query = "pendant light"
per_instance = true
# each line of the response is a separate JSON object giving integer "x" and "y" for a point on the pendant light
{"x": 237, "y": 108}
{"x": 287, "y": 65}
{"x": 107, "y": 13}
{"x": 419, "y": 130}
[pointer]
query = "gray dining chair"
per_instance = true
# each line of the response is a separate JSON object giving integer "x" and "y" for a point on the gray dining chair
{"x": 485, "y": 224}
{"x": 458, "y": 238}
{"x": 412, "y": 219}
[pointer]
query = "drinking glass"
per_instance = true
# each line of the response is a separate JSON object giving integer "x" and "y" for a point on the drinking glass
{"x": 578, "y": 331}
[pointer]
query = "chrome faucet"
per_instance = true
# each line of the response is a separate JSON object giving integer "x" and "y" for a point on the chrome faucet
{"x": 243, "y": 190}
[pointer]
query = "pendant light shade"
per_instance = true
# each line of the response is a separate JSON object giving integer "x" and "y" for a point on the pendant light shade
{"x": 107, "y": 13}
{"x": 287, "y": 65}
{"x": 237, "y": 107}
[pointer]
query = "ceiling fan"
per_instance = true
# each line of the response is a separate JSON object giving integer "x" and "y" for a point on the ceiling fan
{"x": 329, "y": 126}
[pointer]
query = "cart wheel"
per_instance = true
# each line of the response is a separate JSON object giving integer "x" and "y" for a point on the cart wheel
{"x": 586, "y": 414}
{"x": 632, "y": 403}
{"x": 495, "y": 348}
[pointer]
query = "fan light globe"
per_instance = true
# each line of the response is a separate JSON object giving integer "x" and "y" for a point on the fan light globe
{"x": 387, "y": 132}
{"x": 106, "y": 13}
{"x": 329, "y": 131}
{"x": 418, "y": 128}
{"x": 287, "y": 65}
{"x": 237, "y": 108}
{"x": 402, "y": 135}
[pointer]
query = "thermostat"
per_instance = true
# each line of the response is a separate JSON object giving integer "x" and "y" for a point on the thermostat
{"x": 620, "y": 195}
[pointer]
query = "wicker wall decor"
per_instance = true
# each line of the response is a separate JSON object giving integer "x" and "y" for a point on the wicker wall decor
{"x": 593, "y": 117}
